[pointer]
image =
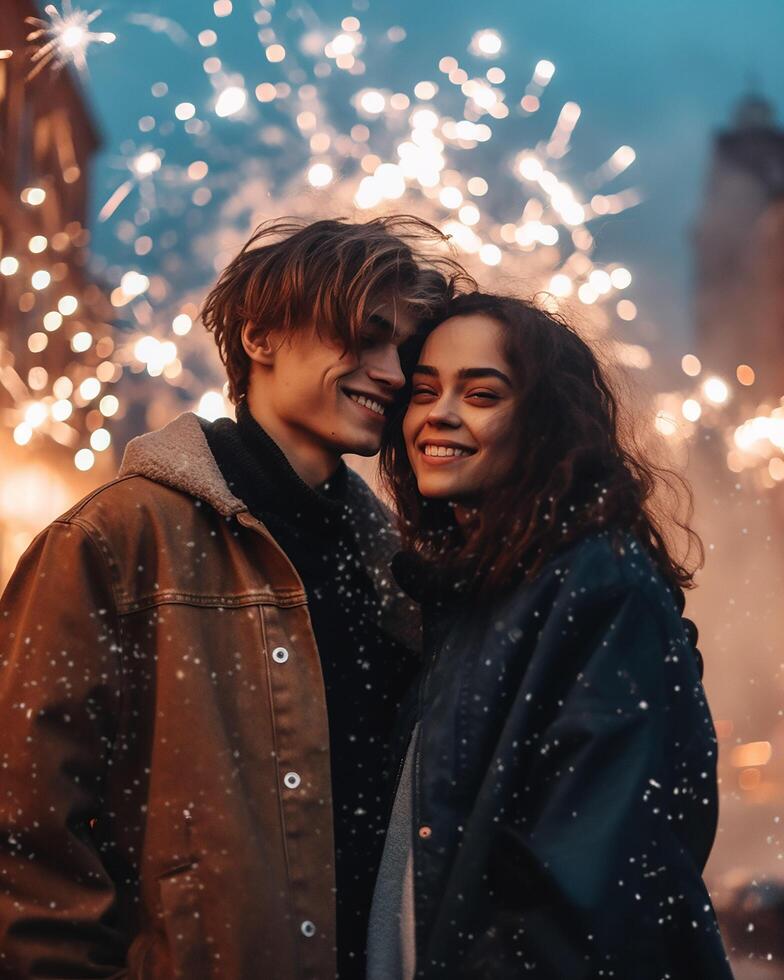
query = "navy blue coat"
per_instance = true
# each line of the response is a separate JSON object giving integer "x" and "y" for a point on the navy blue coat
{"x": 565, "y": 797}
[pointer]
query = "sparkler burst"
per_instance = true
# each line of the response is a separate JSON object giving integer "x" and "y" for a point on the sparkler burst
{"x": 313, "y": 136}
{"x": 419, "y": 149}
{"x": 310, "y": 135}
{"x": 64, "y": 38}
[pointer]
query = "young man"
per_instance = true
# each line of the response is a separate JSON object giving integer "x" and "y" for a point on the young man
{"x": 201, "y": 661}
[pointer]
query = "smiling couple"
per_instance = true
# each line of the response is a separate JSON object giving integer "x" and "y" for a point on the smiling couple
{"x": 229, "y": 750}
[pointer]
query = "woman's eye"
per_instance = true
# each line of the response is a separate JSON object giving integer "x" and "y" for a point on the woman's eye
{"x": 484, "y": 394}
{"x": 422, "y": 391}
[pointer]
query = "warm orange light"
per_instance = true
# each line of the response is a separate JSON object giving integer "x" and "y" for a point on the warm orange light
{"x": 275, "y": 53}
{"x": 690, "y": 365}
{"x": 749, "y": 779}
{"x": 751, "y": 754}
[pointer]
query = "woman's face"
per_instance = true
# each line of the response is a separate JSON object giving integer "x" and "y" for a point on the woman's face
{"x": 461, "y": 407}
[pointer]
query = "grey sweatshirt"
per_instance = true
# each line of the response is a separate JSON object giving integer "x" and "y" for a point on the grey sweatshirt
{"x": 391, "y": 949}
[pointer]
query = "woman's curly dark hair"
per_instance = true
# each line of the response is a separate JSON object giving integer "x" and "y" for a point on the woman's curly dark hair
{"x": 574, "y": 468}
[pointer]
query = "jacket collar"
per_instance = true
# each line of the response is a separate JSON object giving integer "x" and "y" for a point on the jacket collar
{"x": 257, "y": 470}
{"x": 179, "y": 457}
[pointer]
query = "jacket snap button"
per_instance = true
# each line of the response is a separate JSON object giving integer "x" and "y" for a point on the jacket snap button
{"x": 292, "y": 780}
{"x": 425, "y": 832}
{"x": 280, "y": 655}
{"x": 308, "y": 929}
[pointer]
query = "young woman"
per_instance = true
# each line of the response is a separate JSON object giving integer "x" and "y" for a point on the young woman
{"x": 557, "y": 800}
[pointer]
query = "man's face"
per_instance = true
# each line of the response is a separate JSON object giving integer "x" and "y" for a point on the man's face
{"x": 315, "y": 398}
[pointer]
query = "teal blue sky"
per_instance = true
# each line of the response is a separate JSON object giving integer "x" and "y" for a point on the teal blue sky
{"x": 662, "y": 77}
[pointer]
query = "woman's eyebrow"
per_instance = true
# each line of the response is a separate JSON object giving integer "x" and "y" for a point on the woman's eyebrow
{"x": 463, "y": 373}
{"x": 483, "y": 372}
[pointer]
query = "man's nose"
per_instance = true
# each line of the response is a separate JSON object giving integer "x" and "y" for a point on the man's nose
{"x": 384, "y": 366}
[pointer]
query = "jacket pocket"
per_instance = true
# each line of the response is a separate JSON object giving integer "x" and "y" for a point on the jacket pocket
{"x": 180, "y": 897}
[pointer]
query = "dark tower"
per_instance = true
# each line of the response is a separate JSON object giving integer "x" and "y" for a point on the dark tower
{"x": 47, "y": 142}
{"x": 739, "y": 251}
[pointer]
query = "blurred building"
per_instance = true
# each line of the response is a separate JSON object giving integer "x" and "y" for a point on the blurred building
{"x": 54, "y": 321}
{"x": 739, "y": 513}
{"x": 739, "y": 252}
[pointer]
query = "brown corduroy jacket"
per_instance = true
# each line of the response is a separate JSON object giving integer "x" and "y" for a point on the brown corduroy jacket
{"x": 165, "y": 805}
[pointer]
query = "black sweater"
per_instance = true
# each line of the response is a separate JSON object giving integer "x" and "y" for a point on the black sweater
{"x": 365, "y": 670}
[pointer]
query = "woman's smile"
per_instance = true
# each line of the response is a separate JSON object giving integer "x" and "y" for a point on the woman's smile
{"x": 439, "y": 452}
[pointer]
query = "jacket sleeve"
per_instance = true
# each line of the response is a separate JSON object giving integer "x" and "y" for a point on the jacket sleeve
{"x": 595, "y": 874}
{"x": 59, "y": 699}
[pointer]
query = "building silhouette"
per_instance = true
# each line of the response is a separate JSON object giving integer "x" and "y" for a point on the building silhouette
{"x": 739, "y": 252}
{"x": 47, "y": 142}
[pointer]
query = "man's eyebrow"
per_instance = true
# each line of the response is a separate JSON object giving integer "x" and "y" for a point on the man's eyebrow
{"x": 464, "y": 373}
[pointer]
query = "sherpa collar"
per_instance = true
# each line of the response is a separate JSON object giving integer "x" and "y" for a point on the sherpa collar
{"x": 178, "y": 456}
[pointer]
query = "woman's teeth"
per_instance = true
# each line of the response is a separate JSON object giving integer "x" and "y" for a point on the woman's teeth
{"x": 445, "y": 451}
{"x": 368, "y": 403}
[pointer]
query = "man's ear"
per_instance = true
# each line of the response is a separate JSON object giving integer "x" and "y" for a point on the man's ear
{"x": 258, "y": 344}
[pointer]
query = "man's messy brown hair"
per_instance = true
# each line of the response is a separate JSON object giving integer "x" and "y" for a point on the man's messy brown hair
{"x": 294, "y": 274}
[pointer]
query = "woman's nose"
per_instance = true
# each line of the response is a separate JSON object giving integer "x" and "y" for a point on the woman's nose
{"x": 442, "y": 412}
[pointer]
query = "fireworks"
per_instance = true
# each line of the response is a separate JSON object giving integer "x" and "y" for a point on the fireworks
{"x": 64, "y": 37}
{"x": 411, "y": 150}
{"x": 753, "y": 445}
{"x": 310, "y": 137}
{"x": 445, "y": 147}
